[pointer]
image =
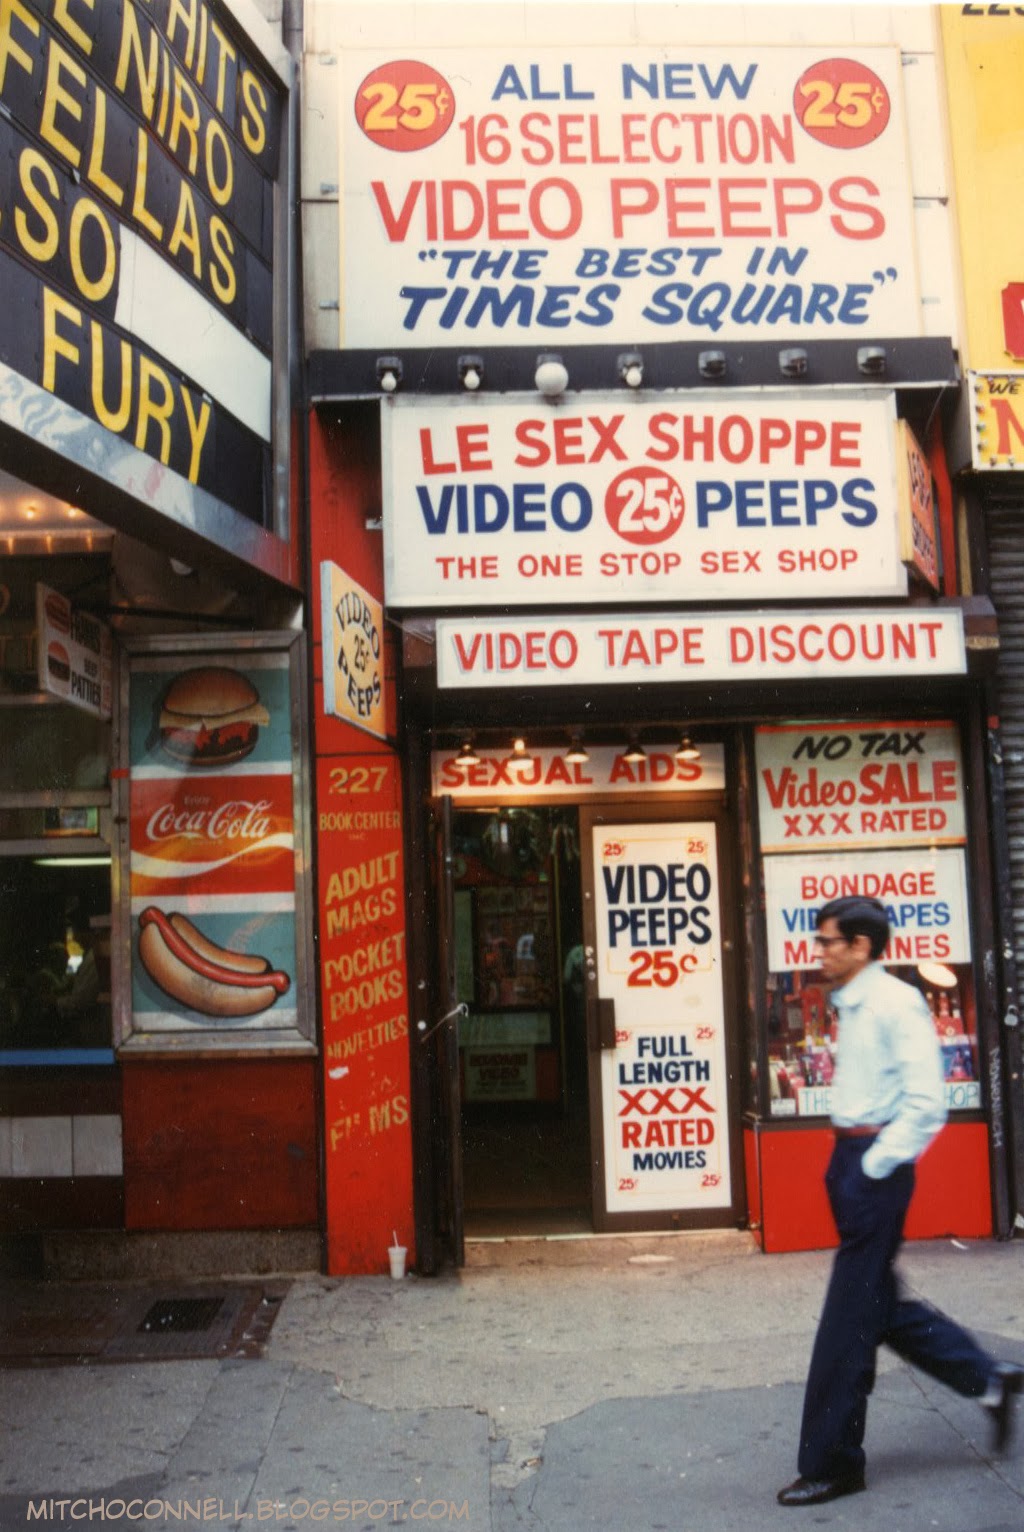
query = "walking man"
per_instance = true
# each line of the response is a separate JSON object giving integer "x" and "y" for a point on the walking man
{"x": 887, "y": 1105}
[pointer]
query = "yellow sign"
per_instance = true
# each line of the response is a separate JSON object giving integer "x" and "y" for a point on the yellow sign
{"x": 984, "y": 52}
{"x": 919, "y": 548}
{"x": 997, "y": 420}
{"x": 353, "y": 644}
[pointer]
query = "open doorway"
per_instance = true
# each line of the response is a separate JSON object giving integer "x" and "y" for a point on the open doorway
{"x": 522, "y": 1046}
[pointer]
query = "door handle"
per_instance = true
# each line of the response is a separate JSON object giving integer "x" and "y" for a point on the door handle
{"x": 606, "y": 1024}
{"x": 461, "y": 1011}
{"x": 600, "y": 1024}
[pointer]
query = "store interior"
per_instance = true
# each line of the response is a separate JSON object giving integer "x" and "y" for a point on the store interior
{"x": 55, "y": 949}
{"x": 522, "y": 1045}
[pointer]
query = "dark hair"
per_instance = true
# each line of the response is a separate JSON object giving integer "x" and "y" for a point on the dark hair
{"x": 856, "y": 915}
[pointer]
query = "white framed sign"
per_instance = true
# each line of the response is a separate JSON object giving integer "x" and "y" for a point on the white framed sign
{"x": 522, "y": 196}
{"x": 640, "y": 649}
{"x": 659, "y": 960}
{"x": 74, "y": 654}
{"x": 924, "y": 892}
{"x": 514, "y": 502}
{"x": 826, "y": 786}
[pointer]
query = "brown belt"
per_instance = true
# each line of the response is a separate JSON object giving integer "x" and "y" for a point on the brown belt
{"x": 859, "y": 1130}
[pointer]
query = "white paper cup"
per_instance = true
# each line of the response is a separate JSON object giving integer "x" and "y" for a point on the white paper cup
{"x": 396, "y": 1255}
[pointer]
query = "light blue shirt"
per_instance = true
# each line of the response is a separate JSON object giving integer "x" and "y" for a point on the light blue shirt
{"x": 888, "y": 1069}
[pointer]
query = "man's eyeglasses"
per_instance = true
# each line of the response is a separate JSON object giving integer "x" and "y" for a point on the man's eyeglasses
{"x": 828, "y": 941}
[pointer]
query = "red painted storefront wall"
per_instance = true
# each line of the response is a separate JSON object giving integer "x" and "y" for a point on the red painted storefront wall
{"x": 219, "y": 1144}
{"x": 364, "y": 1031}
{"x": 785, "y": 1180}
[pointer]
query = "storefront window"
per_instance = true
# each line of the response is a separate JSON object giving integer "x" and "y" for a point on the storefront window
{"x": 54, "y": 953}
{"x": 874, "y": 809}
{"x": 49, "y": 747}
{"x": 55, "y": 881}
{"x": 801, "y": 1036}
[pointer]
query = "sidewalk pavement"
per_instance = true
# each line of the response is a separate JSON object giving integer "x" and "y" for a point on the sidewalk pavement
{"x": 611, "y": 1383}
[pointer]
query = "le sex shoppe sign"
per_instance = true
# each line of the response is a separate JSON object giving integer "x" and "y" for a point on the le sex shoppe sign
{"x": 619, "y": 498}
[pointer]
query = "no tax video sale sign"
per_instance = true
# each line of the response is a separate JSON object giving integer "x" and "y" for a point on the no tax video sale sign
{"x": 512, "y": 196}
{"x": 700, "y": 497}
{"x": 825, "y": 786}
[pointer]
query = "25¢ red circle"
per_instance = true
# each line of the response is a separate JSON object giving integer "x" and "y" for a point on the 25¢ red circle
{"x": 842, "y": 103}
{"x": 405, "y": 106}
{"x": 644, "y": 505}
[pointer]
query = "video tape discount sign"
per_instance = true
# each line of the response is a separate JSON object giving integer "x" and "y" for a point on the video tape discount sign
{"x": 702, "y": 498}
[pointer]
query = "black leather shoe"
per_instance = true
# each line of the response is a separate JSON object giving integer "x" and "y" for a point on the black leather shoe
{"x": 816, "y": 1491}
{"x": 1009, "y": 1378}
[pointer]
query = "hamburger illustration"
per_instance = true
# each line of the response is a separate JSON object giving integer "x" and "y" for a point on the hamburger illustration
{"x": 211, "y": 716}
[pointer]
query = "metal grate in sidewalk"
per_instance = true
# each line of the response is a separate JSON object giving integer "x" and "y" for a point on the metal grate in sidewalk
{"x": 45, "y": 1324}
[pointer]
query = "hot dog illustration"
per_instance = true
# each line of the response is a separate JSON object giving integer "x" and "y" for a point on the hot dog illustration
{"x": 192, "y": 970}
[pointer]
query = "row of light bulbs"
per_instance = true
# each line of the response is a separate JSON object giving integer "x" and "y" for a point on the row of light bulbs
{"x": 551, "y": 377}
{"x": 686, "y": 750}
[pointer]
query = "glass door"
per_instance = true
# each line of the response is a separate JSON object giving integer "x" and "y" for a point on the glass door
{"x": 658, "y": 970}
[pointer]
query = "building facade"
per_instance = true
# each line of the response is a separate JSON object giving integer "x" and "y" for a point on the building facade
{"x": 982, "y": 46}
{"x": 446, "y": 670}
{"x": 157, "y": 1009}
{"x": 633, "y": 367}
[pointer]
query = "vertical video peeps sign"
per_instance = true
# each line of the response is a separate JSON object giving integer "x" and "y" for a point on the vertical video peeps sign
{"x": 659, "y": 959}
{"x": 353, "y": 632}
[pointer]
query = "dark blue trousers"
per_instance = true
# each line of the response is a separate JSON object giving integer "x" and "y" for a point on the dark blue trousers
{"x": 863, "y": 1310}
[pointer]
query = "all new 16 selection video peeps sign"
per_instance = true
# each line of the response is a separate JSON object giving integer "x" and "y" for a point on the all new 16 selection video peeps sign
{"x": 708, "y": 192}
{"x": 698, "y": 497}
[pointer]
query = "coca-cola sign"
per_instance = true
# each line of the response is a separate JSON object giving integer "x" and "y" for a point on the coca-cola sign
{"x": 236, "y": 820}
{"x": 214, "y": 839}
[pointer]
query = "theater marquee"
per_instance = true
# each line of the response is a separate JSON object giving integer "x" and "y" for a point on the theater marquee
{"x": 141, "y": 237}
